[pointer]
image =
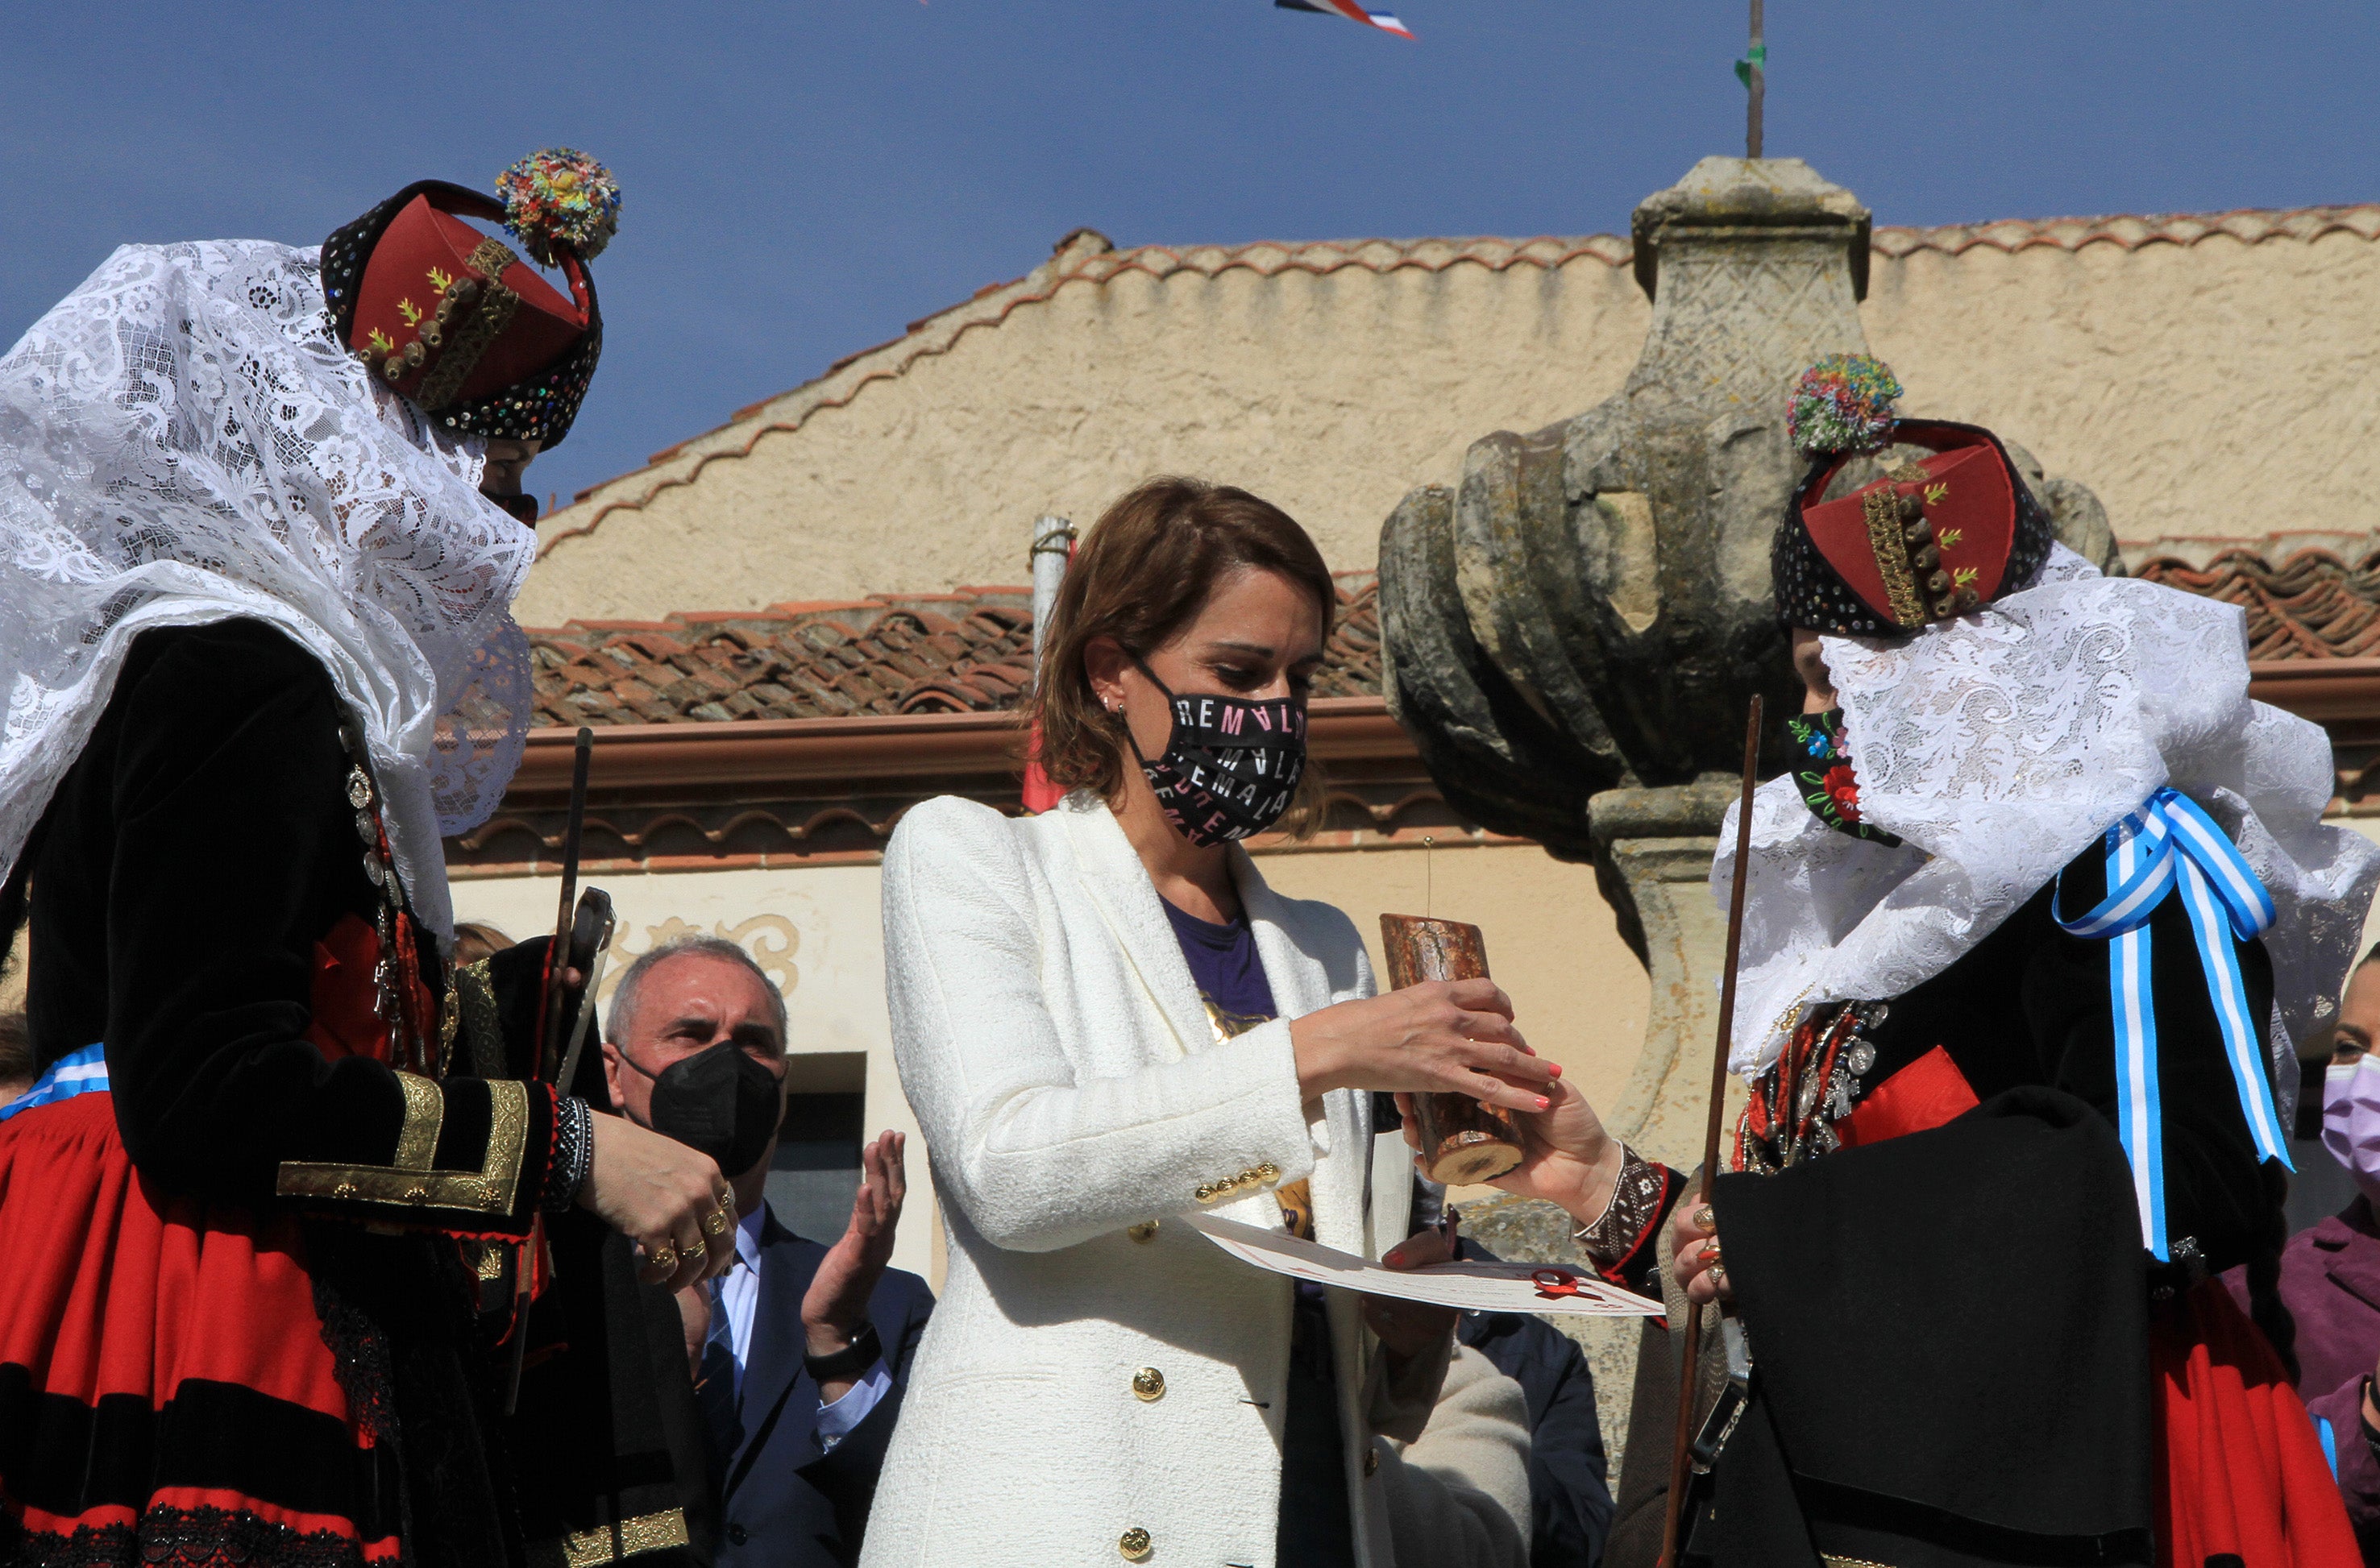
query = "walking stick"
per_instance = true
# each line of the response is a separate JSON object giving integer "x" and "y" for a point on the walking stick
{"x": 1673, "y": 1526}
{"x": 549, "y": 1041}
{"x": 548, "y": 1064}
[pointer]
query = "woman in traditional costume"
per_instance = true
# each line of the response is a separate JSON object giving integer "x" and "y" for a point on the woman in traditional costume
{"x": 2032, "y": 924}
{"x": 260, "y": 527}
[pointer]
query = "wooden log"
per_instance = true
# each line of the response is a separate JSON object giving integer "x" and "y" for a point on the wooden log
{"x": 1462, "y": 1142}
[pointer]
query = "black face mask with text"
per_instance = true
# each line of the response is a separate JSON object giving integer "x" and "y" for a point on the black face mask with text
{"x": 1229, "y": 766}
{"x": 718, "y": 1101}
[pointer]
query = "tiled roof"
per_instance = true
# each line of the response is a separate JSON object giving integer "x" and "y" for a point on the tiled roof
{"x": 2313, "y": 605}
{"x": 966, "y": 652}
{"x": 1086, "y": 256}
{"x": 2133, "y": 232}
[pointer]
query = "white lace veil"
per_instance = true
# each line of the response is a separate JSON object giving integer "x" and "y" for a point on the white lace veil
{"x": 182, "y": 441}
{"x": 1996, "y": 747}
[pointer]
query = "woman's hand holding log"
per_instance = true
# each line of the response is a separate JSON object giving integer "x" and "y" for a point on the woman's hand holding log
{"x": 1440, "y": 1037}
{"x": 1566, "y": 1156}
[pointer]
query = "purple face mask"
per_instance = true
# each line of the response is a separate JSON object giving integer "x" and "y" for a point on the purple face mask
{"x": 2351, "y": 1119}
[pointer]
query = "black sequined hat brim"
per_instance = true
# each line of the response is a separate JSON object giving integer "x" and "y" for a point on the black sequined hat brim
{"x": 1812, "y": 594}
{"x": 537, "y": 409}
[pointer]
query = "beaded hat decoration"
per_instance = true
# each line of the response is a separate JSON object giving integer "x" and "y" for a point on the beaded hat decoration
{"x": 1948, "y": 528}
{"x": 460, "y": 325}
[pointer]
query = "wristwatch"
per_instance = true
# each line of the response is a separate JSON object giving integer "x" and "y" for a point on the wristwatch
{"x": 863, "y": 1351}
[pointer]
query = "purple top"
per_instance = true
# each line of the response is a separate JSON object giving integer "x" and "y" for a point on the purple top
{"x": 2330, "y": 1282}
{"x": 1230, "y": 976}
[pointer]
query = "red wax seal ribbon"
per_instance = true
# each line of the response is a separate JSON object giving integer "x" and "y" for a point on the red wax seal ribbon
{"x": 1555, "y": 1284}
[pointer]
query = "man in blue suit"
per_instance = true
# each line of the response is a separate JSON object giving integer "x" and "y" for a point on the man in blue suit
{"x": 800, "y": 1351}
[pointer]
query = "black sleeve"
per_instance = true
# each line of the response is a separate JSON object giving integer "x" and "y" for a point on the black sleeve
{"x": 1570, "y": 1495}
{"x": 234, "y": 854}
{"x": 2214, "y": 1193}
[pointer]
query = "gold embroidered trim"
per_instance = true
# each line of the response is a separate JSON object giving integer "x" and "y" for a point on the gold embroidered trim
{"x": 1881, "y": 508}
{"x": 482, "y": 1028}
{"x": 488, "y": 1190}
{"x": 611, "y": 1543}
{"x": 1833, "y": 1561}
{"x": 480, "y": 327}
{"x": 425, "y": 1115}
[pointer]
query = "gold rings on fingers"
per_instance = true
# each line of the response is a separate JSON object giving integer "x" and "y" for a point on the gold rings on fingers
{"x": 1705, "y": 1219}
{"x": 1718, "y": 1276}
{"x": 1710, "y": 1252}
{"x": 664, "y": 1258}
{"x": 695, "y": 1248}
{"x": 715, "y": 1223}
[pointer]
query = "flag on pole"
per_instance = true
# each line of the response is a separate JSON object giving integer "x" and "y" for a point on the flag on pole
{"x": 1349, "y": 10}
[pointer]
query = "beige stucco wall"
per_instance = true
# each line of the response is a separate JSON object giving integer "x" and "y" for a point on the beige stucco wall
{"x": 1331, "y": 395}
{"x": 2220, "y": 388}
{"x": 1578, "y": 992}
{"x": 2217, "y": 388}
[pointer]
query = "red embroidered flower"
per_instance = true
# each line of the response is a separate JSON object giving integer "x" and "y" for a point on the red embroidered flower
{"x": 1843, "y": 789}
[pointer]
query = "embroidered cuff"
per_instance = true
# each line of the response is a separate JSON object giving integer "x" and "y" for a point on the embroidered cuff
{"x": 471, "y": 1157}
{"x": 574, "y": 1150}
{"x": 1618, "y": 1239}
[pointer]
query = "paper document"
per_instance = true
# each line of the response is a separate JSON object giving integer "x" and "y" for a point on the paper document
{"x": 1477, "y": 1287}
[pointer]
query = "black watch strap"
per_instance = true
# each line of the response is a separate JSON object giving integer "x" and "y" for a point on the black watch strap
{"x": 863, "y": 1351}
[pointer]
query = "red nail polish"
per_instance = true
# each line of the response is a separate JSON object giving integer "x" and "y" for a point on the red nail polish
{"x": 1554, "y": 1069}
{"x": 1545, "y": 1105}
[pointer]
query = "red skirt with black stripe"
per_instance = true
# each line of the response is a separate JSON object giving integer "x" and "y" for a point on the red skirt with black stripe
{"x": 166, "y": 1395}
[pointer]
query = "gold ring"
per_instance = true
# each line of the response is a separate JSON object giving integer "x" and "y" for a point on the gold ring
{"x": 1718, "y": 1276}
{"x": 1705, "y": 1219}
{"x": 1710, "y": 1252}
{"x": 664, "y": 1258}
{"x": 698, "y": 1247}
{"x": 715, "y": 1223}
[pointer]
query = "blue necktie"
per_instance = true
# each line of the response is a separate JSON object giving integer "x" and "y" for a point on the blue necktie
{"x": 714, "y": 1390}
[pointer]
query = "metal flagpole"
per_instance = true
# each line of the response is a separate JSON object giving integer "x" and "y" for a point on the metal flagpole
{"x": 1755, "y": 79}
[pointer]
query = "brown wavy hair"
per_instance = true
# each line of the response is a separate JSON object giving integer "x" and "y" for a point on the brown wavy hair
{"x": 1143, "y": 574}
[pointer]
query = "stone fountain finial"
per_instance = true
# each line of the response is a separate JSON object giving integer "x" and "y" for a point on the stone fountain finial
{"x": 1590, "y": 609}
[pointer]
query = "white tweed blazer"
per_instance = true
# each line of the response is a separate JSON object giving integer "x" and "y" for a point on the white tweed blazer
{"x": 1098, "y": 1383}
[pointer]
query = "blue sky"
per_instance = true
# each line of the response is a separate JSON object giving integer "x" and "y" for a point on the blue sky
{"x": 803, "y": 177}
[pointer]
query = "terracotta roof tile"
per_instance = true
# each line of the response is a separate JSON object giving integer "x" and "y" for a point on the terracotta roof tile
{"x": 890, "y": 654}
{"x": 2313, "y": 605}
{"x": 880, "y": 656}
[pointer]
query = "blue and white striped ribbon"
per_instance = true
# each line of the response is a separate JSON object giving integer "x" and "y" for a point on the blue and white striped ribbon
{"x": 2170, "y": 843}
{"x": 76, "y": 1072}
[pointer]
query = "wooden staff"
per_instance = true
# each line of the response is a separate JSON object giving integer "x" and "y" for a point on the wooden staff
{"x": 1672, "y": 1526}
{"x": 1462, "y": 1142}
{"x": 549, "y": 1046}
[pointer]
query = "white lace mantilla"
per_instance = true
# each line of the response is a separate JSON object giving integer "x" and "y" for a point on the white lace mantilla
{"x": 182, "y": 441}
{"x": 1997, "y": 747}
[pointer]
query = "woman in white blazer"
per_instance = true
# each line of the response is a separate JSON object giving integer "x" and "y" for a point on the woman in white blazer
{"x": 1098, "y": 1381}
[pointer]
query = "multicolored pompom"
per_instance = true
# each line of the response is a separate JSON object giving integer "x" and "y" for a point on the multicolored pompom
{"x": 1842, "y": 404}
{"x": 560, "y": 197}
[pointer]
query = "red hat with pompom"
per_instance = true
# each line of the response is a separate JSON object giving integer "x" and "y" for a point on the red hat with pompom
{"x": 456, "y": 319}
{"x": 1947, "y": 528}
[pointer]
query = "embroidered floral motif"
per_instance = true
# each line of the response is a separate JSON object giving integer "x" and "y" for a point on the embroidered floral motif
{"x": 1828, "y": 785}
